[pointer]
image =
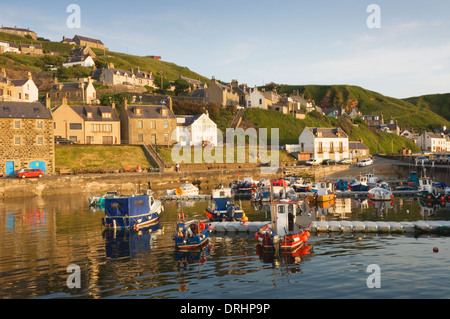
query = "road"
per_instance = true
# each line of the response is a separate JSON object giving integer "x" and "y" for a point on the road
{"x": 381, "y": 167}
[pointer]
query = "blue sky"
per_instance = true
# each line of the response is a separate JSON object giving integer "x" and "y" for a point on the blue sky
{"x": 256, "y": 42}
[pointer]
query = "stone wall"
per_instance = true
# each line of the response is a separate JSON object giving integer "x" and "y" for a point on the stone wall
{"x": 128, "y": 183}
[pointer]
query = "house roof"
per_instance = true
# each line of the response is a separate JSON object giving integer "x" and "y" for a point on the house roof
{"x": 97, "y": 111}
{"x": 188, "y": 119}
{"x": 36, "y": 46}
{"x": 357, "y": 145}
{"x": 75, "y": 59}
{"x": 69, "y": 86}
{"x": 34, "y": 110}
{"x": 149, "y": 112}
{"x": 16, "y": 29}
{"x": 328, "y": 132}
{"x": 87, "y": 39}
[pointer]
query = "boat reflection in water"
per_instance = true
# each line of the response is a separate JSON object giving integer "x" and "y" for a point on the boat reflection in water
{"x": 121, "y": 243}
{"x": 291, "y": 257}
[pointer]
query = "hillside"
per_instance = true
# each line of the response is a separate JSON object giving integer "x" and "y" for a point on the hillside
{"x": 438, "y": 103}
{"x": 20, "y": 64}
{"x": 368, "y": 102}
{"x": 291, "y": 128}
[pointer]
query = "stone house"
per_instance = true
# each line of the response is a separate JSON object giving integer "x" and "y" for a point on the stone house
{"x": 27, "y": 137}
{"x": 194, "y": 129}
{"x": 358, "y": 150}
{"x": 224, "y": 95}
{"x": 82, "y": 92}
{"x": 19, "y": 31}
{"x": 373, "y": 120}
{"x": 20, "y": 90}
{"x": 112, "y": 76}
{"x": 82, "y": 51}
{"x": 90, "y": 42}
{"x": 323, "y": 143}
{"x": 147, "y": 124}
{"x": 31, "y": 49}
{"x": 85, "y": 124}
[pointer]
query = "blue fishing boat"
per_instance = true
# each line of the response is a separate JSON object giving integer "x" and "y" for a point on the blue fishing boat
{"x": 131, "y": 212}
{"x": 191, "y": 235}
{"x": 222, "y": 207}
{"x": 341, "y": 185}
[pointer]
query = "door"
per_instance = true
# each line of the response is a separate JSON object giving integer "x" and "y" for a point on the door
{"x": 9, "y": 168}
{"x": 153, "y": 139}
{"x": 38, "y": 164}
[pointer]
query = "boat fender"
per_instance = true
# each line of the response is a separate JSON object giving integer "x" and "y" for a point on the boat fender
{"x": 136, "y": 227}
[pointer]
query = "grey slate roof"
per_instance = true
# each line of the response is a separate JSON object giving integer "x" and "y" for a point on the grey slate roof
{"x": 34, "y": 110}
{"x": 329, "y": 132}
{"x": 97, "y": 111}
{"x": 149, "y": 112}
{"x": 357, "y": 146}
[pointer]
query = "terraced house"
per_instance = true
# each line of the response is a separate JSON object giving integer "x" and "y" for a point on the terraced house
{"x": 27, "y": 137}
{"x": 85, "y": 124}
{"x": 147, "y": 124}
{"x": 18, "y": 90}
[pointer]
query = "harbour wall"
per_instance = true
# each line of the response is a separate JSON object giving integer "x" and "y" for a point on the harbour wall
{"x": 128, "y": 183}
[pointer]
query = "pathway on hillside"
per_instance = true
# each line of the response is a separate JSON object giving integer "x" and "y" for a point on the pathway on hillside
{"x": 238, "y": 118}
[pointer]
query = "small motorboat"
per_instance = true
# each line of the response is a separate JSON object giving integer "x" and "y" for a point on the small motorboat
{"x": 359, "y": 184}
{"x": 222, "y": 207}
{"x": 100, "y": 199}
{"x": 132, "y": 212}
{"x": 184, "y": 189}
{"x": 380, "y": 194}
{"x": 324, "y": 193}
{"x": 191, "y": 235}
{"x": 284, "y": 232}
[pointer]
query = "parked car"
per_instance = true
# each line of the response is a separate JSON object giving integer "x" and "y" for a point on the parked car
{"x": 422, "y": 160}
{"x": 206, "y": 143}
{"x": 1, "y": 174}
{"x": 345, "y": 161}
{"x": 365, "y": 162}
{"x": 443, "y": 158}
{"x": 31, "y": 172}
{"x": 60, "y": 140}
{"x": 313, "y": 161}
{"x": 329, "y": 162}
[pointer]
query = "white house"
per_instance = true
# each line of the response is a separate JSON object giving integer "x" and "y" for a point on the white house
{"x": 323, "y": 143}
{"x": 21, "y": 90}
{"x": 84, "y": 60}
{"x": 8, "y": 47}
{"x": 113, "y": 76}
{"x": 258, "y": 99}
{"x": 194, "y": 129}
{"x": 432, "y": 142}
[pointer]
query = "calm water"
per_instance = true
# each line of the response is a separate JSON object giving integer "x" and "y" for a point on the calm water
{"x": 40, "y": 238}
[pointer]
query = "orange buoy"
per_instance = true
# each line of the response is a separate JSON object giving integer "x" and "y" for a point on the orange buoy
{"x": 435, "y": 249}
{"x": 307, "y": 233}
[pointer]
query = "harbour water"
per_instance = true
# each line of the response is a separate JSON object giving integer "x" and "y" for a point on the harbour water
{"x": 40, "y": 238}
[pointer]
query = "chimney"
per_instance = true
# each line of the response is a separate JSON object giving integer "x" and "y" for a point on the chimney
{"x": 30, "y": 76}
{"x": 64, "y": 101}
{"x": 113, "y": 105}
{"x": 55, "y": 81}
{"x": 125, "y": 103}
{"x": 47, "y": 101}
{"x": 169, "y": 99}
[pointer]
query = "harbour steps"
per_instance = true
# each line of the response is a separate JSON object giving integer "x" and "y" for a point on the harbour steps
{"x": 421, "y": 226}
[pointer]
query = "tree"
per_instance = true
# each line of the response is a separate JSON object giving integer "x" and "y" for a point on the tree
{"x": 181, "y": 86}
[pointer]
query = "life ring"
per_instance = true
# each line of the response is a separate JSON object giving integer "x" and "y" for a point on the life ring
{"x": 179, "y": 191}
{"x": 201, "y": 227}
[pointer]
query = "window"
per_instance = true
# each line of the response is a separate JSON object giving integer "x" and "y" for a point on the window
{"x": 106, "y": 115}
{"x": 166, "y": 137}
{"x": 39, "y": 125}
{"x": 260, "y": 101}
{"x": 73, "y": 139}
{"x": 17, "y": 140}
{"x": 27, "y": 96}
{"x": 138, "y": 111}
{"x": 140, "y": 137}
{"x": 17, "y": 125}
{"x": 40, "y": 140}
{"x": 89, "y": 114}
{"x": 140, "y": 124}
{"x": 166, "y": 124}
{"x": 101, "y": 127}
{"x": 76, "y": 126}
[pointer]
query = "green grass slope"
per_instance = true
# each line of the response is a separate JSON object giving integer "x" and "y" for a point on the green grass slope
{"x": 438, "y": 103}
{"x": 368, "y": 102}
{"x": 291, "y": 128}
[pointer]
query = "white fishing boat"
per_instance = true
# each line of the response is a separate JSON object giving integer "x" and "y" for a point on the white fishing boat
{"x": 184, "y": 189}
{"x": 380, "y": 194}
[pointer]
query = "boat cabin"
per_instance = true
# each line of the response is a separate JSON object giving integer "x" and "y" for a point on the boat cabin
{"x": 324, "y": 188}
{"x": 284, "y": 215}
